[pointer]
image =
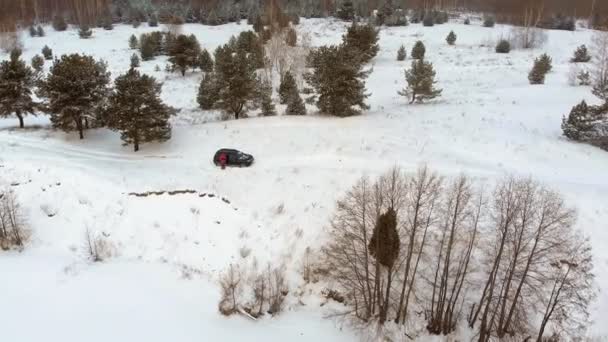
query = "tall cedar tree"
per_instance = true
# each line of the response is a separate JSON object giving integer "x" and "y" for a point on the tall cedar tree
{"x": 235, "y": 80}
{"x": 136, "y": 110}
{"x": 451, "y": 39}
{"x": 401, "y": 53}
{"x": 265, "y": 97}
{"x": 295, "y": 105}
{"x": 47, "y": 52}
{"x": 184, "y": 52}
{"x": 581, "y": 55}
{"x": 538, "y": 72}
{"x": 384, "y": 243}
{"x": 363, "y": 39}
{"x": 287, "y": 87}
{"x": 338, "y": 80}
{"x": 16, "y": 82}
{"x": 420, "y": 82}
{"x": 73, "y": 90}
{"x": 418, "y": 51}
{"x": 205, "y": 62}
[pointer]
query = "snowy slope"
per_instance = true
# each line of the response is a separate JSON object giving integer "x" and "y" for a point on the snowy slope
{"x": 161, "y": 283}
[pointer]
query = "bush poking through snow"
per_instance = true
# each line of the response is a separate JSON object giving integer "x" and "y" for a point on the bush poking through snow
{"x": 545, "y": 63}
{"x": 13, "y": 230}
{"x": 418, "y": 51}
{"x": 451, "y": 38}
{"x": 581, "y": 55}
{"x": 134, "y": 61}
{"x": 37, "y": 63}
{"x": 503, "y": 46}
{"x": 85, "y": 32}
{"x": 47, "y": 53}
{"x": 205, "y": 62}
{"x": 133, "y": 43}
{"x": 421, "y": 82}
{"x": 537, "y": 74}
{"x": 588, "y": 124}
{"x": 59, "y": 23}
{"x": 96, "y": 247}
{"x": 291, "y": 37}
{"x": 230, "y": 283}
{"x": 489, "y": 21}
{"x": 401, "y": 53}
{"x": 267, "y": 107}
{"x": 428, "y": 20}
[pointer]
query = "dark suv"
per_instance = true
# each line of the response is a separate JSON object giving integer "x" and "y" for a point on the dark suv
{"x": 233, "y": 157}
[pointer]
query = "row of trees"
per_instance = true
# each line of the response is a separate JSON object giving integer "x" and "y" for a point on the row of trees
{"x": 412, "y": 248}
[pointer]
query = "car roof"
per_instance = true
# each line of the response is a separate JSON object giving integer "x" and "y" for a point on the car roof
{"x": 227, "y": 150}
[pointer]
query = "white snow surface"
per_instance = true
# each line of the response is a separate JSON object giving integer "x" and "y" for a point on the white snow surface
{"x": 161, "y": 282}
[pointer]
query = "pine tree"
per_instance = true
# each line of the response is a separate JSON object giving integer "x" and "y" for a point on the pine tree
{"x": 295, "y": 105}
{"x": 205, "y": 62}
{"x": 184, "y": 52}
{"x": 545, "y": 63}
{"x": 266, "y": 105}
{"x": 134, "y": 61}
{"x": 287, "y": 87}
{"x": 418, "y": 51}
{"x": 250, "y": 43}
{"x": 537, "y": 74}
{"x": 580, "y": 120}
{"x": 401, "y": 54}
{"x": 364, "y": 40}
{"x": 136, "y": 110}
{"x": 421, "y": 82}
{"x": 85, "y": 31}
{"x": 106, "y": 22}
{"x": 384, "y": 244}
{"x": 75, "y": 87}
{"x": 581, "y": 55}
{"x": 16, "y": 83}
{"x": 489, "y": 21}
{"x": 503, "y": 46}
{"x": 428, "y": 20}
{"x": 37, "y": 63}
{"x": 208, "y": 92}
{"x": 59, "y": 23}
{"x": 133, "y": 43}
{"x": 338, "y": 81}
{"x": 451, "y": 39}
{"x": 148, "y": 47}
{"x": 47, "y": 53}
{"x": 33, "y": 32}
{"x": 346, "y": 11}
{"x": 40, "y": 31}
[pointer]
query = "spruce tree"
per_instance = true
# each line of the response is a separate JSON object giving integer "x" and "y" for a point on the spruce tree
{"x": 59, "y": 23}
{"x": 538, "y": 72}
{"x": 148, "y": 47}
{"x": 287, "y": 87}
{"x": 205, "y": 62}
{"x": 346, "y": 11}
{"x": 40, "y": 31}
{"x": 295, "y": 105}
{"x": 38, "y": 63}
{"x": 384, "y": 244}
{"x": 208, "y": 92}
{"x": 338, "y": 81}
{"x": 428, "y": 20}
{"x": 581, "y": 55}
{"x": 74, "y": 89}
{"x": 16, "y": 83}
{"x": 250, "y": 43}
{"x": 420, "y": 82}
{"x": 184, "y": 52}
{"x": 85, "y": 31}
{"x": 418, "y": 51}
{"x": 136, "y": 110}
{"x": 401, "y": 53}
{"x": 489, "y": 21}
{"x": 47, "y": 53}
{"x": 33, "y": 32}
{"x": 578, "y": 121}
{"x": 134, "y": 61}
{"x": 364, "y": 40}
{"x": 451, "y": 39}
{"x": 545, "y": 63}
{"x": 133, "y": 43}
{"x": 265, "y": 93}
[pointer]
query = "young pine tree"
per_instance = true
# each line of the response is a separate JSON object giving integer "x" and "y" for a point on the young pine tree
{"x": 363, "y": 39}
{"x": 546, "y": 63}
{"x": 59, "y": 23}
{"x": 266, "y": 105}
{"x": 37, "y": 63}
{"x": 401, "y": 53}
{"x": 420, "y": 82}
{"x": 250, "y": 43}
{"x": 451, "y": 39}
{"x": 205, "y": 62}
{"x": 578, "y": 121}
{"x": 287, "y": 87}
{"x": 136, "y": 110}
{"x": 295, "y": 105}
{"x": 40, "y": 31}
{"x": 33, "y": 32}
{"x": 537, "y": 74}
{"x": 16, "y": 83}
{"x": 148, "y": 47}
{"x": 503, "y": 46}
{"x": 184, "y": 52}
{"x": 47, "y": 53}
{"x": 338, "y": 80}
{"x": 581, "y": 55}
{"x": 74, "y": 89}
{"x": 384, "y": 244}
{"x": 85, "y": 32}
{"x": 134, "y": 61}
{"x": 208, "y": 92}
{"x": 418, "y": 50}
{"x": 133, "y": 43}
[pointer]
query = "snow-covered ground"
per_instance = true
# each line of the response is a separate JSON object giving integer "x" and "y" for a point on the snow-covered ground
{"x": 161, "y": 282}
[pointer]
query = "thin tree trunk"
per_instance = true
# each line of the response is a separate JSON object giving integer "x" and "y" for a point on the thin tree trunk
{"x": 20, "y": 117}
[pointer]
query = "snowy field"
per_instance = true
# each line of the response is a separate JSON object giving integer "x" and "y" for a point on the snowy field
{"x": 161, "y": 283}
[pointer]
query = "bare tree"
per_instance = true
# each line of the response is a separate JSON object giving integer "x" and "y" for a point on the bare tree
{"x": 230, "y": 283}
{"x": 96, "y": 248}
{"x": 13, "y": 230}
{"x": 599, "y": 72}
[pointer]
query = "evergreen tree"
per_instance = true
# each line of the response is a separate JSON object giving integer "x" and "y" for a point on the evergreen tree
{"x": 40, "y": 31}
{"x": 59, "y": 23}
{"x": 587, "y": 124}
{"x": 47, "y": 53}
{"x": 545, "y": 63}
{"x": 338, "y": 80}
{"x": 75, "y": 87}
{"x": 148, "y": 47}
{"x": 208, "y": 92}
{"x": 212, "y": 19}
{"x": 33, "y": 32}
{"x": 418, "y": 51}
{"x": 37, "y": 63}
{"x": 266, "y": 105}
{"x": 384, "y": 244}
{"x": 250, "y": 43}
{"x": 295, "y": 105}
{"x": 489, "y": 21}
{"x": 106, "y": 22}
{"x": 134, "y": 61}
{"x": 346, "y": 11}
{"x": 133, "y": 43}
{"x": 184, "y": 52}
{"x": 467, "y": 21}
{"x": 287, "y": 87}
{"x": 503, "y": 46}
{"x": 581, "y": 55}
{"x": 420, "y": 82}
{"x": 85, "y": 32}
{"x": 401, "y": 54}
{"x": 428, "y": 20}
{"x": 205, "y": 62}
{"x": 538, "y": 72}
{"x": 136, "y": 110}
{"x": 16, "y": 83}
{"x": 364, "y": 40}
{"x": 451, "y": 39}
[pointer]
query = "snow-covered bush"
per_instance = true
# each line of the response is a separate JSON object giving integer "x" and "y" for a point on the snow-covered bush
{"x": 581, "y": 55}
{"x": 96, "y": 247}
{"x": 587, "y": 124}
{"x": 503, "y": 46}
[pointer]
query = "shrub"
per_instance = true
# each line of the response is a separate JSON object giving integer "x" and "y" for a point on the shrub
{"x": 467, "y": 21}
{"x": 33, "y": 32}
{"x": 59, "y": 23}
{"x": 581, "y": 55}
{"x": 85, "y": 32}
{"x": 428, "y": 20}
{"x": 40, "y": 31}
{"x": 418, "y": 51}
{"x": 364, "y": 40}
{"x": 451, "y": 38}
{"x": 545, "y": 63}
{"x": 503, "y": 46}
{"x": 133, "y": 43}
{"x": 421, "y": 82}
{"x": 134, "y": 61}
{"x": 537, "y": 74}
{"x": 401, "y": 53}
{"x": 489, "y": 21}
{"x": 13, "y": 229}
{"x": 153, "y": 20}
{"x": 47, "y": 53}
{"x": 37, "y": 63}
{"x": 587, "y": 124}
